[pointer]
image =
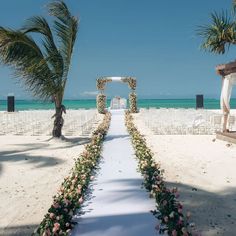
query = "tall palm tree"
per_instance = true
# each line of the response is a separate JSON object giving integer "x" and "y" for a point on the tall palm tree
{"x": 43, "y": 67}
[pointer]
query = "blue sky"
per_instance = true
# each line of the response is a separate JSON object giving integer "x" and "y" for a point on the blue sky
{"x": 153, "y": 40}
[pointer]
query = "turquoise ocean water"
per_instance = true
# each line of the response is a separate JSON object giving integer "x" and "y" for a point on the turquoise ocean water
{"x": 91, "y": 103}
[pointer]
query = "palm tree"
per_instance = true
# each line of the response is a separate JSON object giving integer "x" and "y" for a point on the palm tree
{"x": 234, "y": 5}
{"x": 219, "y": 34}
{"x": 43, "y": 68}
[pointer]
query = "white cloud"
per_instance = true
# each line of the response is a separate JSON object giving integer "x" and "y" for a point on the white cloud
{"x": 89, "y": 93}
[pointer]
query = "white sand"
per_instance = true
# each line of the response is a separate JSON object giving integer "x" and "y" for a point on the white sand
{"x": 117, "y": 206}
{"x": 204, "y": 172}
{"x": 31, "y": 170}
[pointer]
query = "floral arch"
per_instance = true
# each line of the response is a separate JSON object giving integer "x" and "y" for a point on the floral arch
{"x": 101, "y": 97}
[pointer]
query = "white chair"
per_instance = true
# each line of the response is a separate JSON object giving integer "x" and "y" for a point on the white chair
{"x": 231, "y": 122}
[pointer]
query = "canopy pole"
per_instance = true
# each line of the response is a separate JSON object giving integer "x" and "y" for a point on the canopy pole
{"x": 226, "y": 118}
{"x": 228, "y": 73}
{"x": 225, "y": 98}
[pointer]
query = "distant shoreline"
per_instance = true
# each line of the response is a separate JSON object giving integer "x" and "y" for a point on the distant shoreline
{"x": 94, "y": 99}
{"x": 21, "y": 104}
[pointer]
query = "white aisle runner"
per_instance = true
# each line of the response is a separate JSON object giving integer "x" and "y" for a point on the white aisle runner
{"x": 118, "y": 205}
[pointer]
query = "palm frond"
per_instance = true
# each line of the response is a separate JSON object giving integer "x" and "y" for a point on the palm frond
{"x": 219, "y": 34}
{"x": 66, "y": 27}
{"x": 39, "y": 24}
{"x": 234, "y": 6}
{"x": 22, "y": 53}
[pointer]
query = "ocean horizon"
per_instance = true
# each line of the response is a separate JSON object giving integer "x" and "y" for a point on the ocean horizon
{"x": 91, "y": 103}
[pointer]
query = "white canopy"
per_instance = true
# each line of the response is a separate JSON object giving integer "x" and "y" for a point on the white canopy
{"x": 116, "y": 78}
{"x": 228, "y": 82}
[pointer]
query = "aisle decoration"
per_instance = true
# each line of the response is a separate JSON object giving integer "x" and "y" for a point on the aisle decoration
{"x": 101, "y": 83}
{"x": 101, "y": 103}
{"x": 70, "y": 196}
{"x": 131, "y": 82}
{"x": 169, "y": 210}
{"x": 133, "y": 102}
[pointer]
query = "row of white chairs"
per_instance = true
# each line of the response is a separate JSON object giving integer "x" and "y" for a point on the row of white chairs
{"x": 183, "y": 121}
{"x": 40, "y": 122}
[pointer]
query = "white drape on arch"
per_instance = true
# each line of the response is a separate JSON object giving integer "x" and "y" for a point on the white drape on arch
{"x": 228, "y": 82}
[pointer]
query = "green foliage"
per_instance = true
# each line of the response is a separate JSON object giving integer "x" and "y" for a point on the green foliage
{"x": 219, "y": 34}
{"x": 234, "y": 5}
{"x": 43, "y": 68}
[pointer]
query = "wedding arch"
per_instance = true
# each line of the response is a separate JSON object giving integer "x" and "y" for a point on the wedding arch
{"x": 101, "y": 97}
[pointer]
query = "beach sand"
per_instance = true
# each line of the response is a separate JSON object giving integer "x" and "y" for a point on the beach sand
{"x": 203, "y": 169}
{"x": 31, "y": 170}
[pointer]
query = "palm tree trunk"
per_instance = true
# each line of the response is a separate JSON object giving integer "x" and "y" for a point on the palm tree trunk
{"x": 58, "y": 123}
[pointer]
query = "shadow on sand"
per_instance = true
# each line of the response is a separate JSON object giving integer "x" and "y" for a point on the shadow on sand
{"x": 213, "y": 213}
{"x": 18, "y": 230}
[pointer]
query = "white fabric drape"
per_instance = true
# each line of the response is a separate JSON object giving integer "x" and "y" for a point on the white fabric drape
{"x": 228, "y": 82}
{"x": 118, "y": 103}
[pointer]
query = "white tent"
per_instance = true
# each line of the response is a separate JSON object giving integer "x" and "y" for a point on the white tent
{"x": 227, "y": 84}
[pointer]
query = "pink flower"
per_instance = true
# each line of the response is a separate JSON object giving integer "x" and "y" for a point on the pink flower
{"x": 65, "y": 210}
{"x": 56, "y": 205}
{"x": 180, "y": 210}
{"x": 177, "y": 195}
{"x": 56, "y": 227}
{"x": 165, "y": 203}
{"x": 47, "y": 232}
{"x": 180, "y": 222}
{"x": 81, "y": 200}
{"x": 92, "y": 177}
{"x": 52, "y": 216}
{"x": 174, "y": 233}
{"x": 67, "y": 202}
{"x": 157, "y": 227}
{"x": 180, "y": 205}
{"x": 188, "y": 214}
{"x": 166, "y": 219}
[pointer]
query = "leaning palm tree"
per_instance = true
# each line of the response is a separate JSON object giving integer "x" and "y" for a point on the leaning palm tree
{"x": 43, "y": 68}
